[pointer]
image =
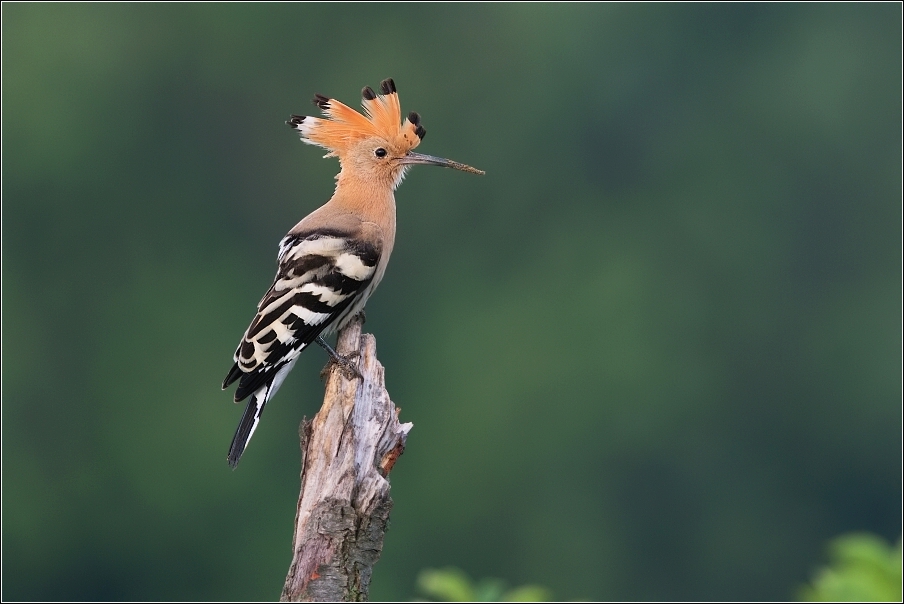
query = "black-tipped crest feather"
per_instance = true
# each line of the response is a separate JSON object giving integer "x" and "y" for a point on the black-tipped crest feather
{"x": 321, "y": 101}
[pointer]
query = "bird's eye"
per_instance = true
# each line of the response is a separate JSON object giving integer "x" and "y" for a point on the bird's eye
{"x": 381, "y": 152}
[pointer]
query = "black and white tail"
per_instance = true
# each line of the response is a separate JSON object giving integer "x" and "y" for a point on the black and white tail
{"x": 253, "y": 411}
{"x": 250, "y": 419}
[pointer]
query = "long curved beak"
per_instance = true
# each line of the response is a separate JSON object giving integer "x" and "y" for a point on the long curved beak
{"x": 428, "y": 160}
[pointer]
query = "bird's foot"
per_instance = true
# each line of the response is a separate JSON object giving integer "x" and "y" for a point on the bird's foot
{"x": 345, "y": 363}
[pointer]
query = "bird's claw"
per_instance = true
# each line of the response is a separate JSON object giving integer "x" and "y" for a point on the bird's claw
{"x": 345, "y": 364}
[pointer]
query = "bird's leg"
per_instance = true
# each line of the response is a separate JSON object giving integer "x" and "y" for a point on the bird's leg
{"x": 344, "y": 362}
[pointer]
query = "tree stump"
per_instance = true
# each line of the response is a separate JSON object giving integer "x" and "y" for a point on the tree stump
{"x": 347, "y": 451}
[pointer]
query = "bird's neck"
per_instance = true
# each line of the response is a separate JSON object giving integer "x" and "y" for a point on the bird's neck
{"x": 370, "y": 199}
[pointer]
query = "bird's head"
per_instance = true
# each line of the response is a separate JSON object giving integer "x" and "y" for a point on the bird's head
{"x": 375, "y": 146}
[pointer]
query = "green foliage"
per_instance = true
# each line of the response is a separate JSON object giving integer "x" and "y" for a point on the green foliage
{"x": 863, "y": 568}
{"x": 453, "y": 585}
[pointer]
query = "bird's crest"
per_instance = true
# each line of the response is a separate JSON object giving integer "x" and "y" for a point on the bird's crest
{"x": 342, "y": 126}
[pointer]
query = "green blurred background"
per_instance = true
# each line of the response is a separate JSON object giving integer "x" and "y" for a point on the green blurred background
{"x": 655, "y": 353}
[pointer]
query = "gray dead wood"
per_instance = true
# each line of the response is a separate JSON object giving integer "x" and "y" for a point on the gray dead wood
{"x": 347, "y": 451}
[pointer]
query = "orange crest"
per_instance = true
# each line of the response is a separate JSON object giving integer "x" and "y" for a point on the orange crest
{"x": 343, "y": 127}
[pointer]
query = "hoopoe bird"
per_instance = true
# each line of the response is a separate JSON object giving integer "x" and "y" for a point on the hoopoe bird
{"x": 331, "y": 262}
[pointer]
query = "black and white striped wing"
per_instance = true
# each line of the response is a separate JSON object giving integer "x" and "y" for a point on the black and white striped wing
{"x": 321, "y": 279}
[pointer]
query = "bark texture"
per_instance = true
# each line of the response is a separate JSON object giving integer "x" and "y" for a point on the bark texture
{"x": 348, "y": 450}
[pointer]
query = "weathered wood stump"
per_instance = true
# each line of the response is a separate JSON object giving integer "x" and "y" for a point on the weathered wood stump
{"x": 348, "y": 450}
